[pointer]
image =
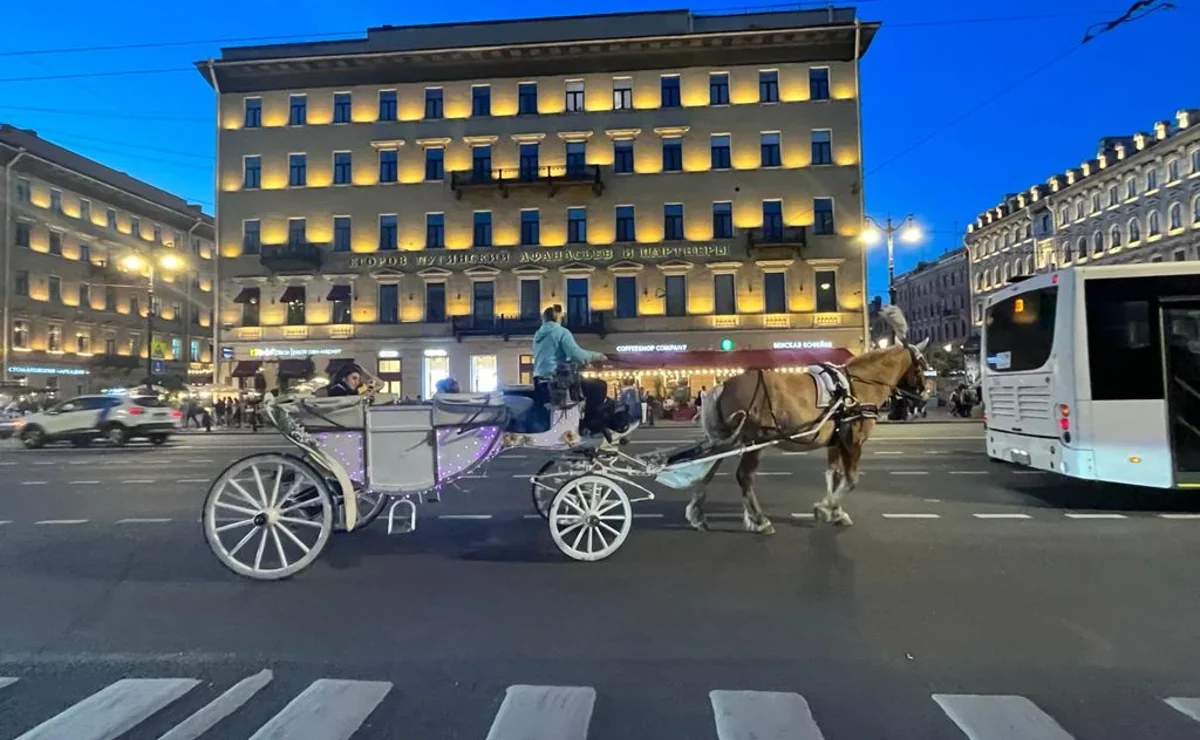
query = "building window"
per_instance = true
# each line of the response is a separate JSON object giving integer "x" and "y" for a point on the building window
{"x": 54, "y": 338}
{"x": 1114, "y": 237}
{"x": 525, "y": 369}
{"x": 135, "y": 226}
{"x": 670, "y": 97}
{"x": 22, "y": 234}
{"x": 389, "y": 303}
{"x": 577, "y": 225}
{"x": 622, "y": 93}
{"x": 434, "y": 163}
{"x": 481, "y": 163}
{"x": 55, "y": 286}
{"x": 341, "y": 107}
{"x": 718, "y": 88}
{"x": 433, "y": 103}
{"x": 1195, "y": 213}
{"x": 389, "y": 371}
{"x": 1135, "y": 231}
{"x": 1196, "y": 161}
{"x": 823, "y": 216}
{"x": 673, "y": 221}
{"x": 388, "y": 232}
{"x": 719, "y": 143}
{"x": 1095, "y": 202}
{"x": 1131, "y": 188}
{"x": 822, "y": 146}
{"x": 253, "y": 113}
{"x": 83, "y": 344}
{"x": 387, "y": 105}
{"x": 110, "y": 216}
{"x": 110, "y": 298}
{"x": 1154, "y": 224}
{"x": 21, "y": 283}
{"x": 485, "y": 374}
{"x": 252, "y": 172}
{"x": 576, "y": 158}
{"x": 531, "y": 299}
{"x": 20, "y": 334}
{"x": 296, "y": 300}
{"x": 724, "y": 295}
{"x": 481, "y": 100}
{"x": 341, "y": 168}
{"x": 1173, "y": 170}
{"x": 672, "y": 154}
{"x": 527, "y": 99}
{"x": 827, "y": 296}
{"x": 435, "y": 230}
{"x": 482, "y": 229}
{"x": 435, "y": 303}
{"x": 56, "y": 200}
{"x": 772, "y": 220}
{"x": 623, "y": 156}
{"x": 1064, "y": 216}
{"x": 341, "y": 233}
{"x": 626, "y": 229}
{"x": 298, "y": 110}
{"x": 1097, "y": 243}
{"x": 135, "y": 344}
{"x": 722, "y": 220}
{"x": 1175, "y": 217}
{"x": 818, "y": 83}
{"x": 768, "y": 86}
{"x": 627, "y": 298}
{"x": 251, "y": 236}
{"x": 676, "y": 295}
{"x": 575, "y": 100}
{"x": 110, "y": 345}
{"x": 775, "y": 292}
{"x": 297, "y": 170}
{"x": 389, "y": 170}
{"x": 528, "y": 161}
{"x": 530, "y": 231}
{"x": 579, "y": 307}
{"x": 1113, "y": 197}
{"x": 56, "y": 243}
{"x": 483, "y": 301}
{"x": 85, "y": 209}
{"x": 770, "y": 150}
{"x": 1151, "y": 179}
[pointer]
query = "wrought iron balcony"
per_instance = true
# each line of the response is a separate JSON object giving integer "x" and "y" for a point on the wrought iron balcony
{"x": 515, "y": 326}
{"x": 776, "y": 236}
{"x": 553, "y": 178}
{"x": 303, "y": 257}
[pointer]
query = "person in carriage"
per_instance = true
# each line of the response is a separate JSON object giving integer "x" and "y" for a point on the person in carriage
{"x": 346, "y": 381}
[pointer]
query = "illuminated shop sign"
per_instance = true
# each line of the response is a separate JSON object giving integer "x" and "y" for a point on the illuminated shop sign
{"x": 388, "y": 354}
{"x": 652, "y": 347}
{"x": 38, "y": 370}
{"x": 435, "y": 353}
{"x": 539, "y": 255}
{"x": 803, "y": 344}
{"x": 266, "y": 352}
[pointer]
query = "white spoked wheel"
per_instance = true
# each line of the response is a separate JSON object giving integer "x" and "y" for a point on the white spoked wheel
{"x": 590, "y": 517}
{"x": 544, "y": 484}
{"x": 256, "y": 526}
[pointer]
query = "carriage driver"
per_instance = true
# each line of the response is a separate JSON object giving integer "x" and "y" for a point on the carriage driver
{"x": 553, "y": 344}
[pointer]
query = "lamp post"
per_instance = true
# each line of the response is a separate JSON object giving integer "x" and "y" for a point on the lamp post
{"x": 909, "y": 232}
{"x": 134, "y": 262}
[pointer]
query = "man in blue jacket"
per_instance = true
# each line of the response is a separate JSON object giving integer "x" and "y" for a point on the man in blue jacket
{"x": 553, "y": 344}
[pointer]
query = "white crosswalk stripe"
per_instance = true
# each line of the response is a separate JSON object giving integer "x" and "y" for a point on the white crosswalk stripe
{"x": 1000, "y": 717}
{"x": 751, "y": 715}
{"x": 113, "y": 710}
{"x": 219, "y": 708}
{"x": 327, "y": 710}
{"x": 544, "y": 713}
{"x": 7, "y": 681}
{"x": 1190, "y": 707}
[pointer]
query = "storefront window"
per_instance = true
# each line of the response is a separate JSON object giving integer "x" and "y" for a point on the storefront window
{"x": 389, "y": 373}
{"x": 676, "y": 295}
{"x": 525, "y": 369}
{"x": 484, "y": 376}
{"x": 775, "y": 292}
{"x": 827, "y": 301}
{"x": 437, "y": 368}
{"x": 296, "y": 301}
{"x": 725, "y": 296}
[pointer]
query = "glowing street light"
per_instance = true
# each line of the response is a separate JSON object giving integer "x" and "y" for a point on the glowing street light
{"x": 909, "y": 233}
{"x": 136, "y": 263}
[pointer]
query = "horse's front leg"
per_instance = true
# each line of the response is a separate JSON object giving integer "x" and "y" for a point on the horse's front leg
{"x": 851, "y": 457}
{"x": 752, "y": 514}
{"x": 835, "y": 477}
{"x": 695, "y": 508}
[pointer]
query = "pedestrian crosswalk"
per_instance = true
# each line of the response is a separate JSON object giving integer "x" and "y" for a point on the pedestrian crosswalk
{"x": 341, "y": 709}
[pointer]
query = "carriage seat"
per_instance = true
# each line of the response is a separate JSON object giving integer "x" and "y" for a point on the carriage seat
{"x": 832, "y": 383}
{"x": 470, "y": 409}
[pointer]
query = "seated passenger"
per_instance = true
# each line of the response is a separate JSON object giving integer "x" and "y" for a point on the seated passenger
{"x": 447, "y": 385}
{"x": 346, "y": 381}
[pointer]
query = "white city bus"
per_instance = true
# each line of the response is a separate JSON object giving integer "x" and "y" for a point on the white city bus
{"x": 1094, "y": 373}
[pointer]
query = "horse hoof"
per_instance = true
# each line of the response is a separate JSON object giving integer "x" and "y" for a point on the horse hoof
{"x": 700, "y": 526}
{"x": 842, "y": 519}
{"x": 767, "y": 528}
{"x": 821, "y": 514}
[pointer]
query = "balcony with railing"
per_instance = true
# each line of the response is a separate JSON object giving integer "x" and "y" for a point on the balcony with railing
{"x": 515, "y": 326}
{"x": 301, "y": 257}
{"x": 552, "y": 178}
{"x": 784, "y": 241}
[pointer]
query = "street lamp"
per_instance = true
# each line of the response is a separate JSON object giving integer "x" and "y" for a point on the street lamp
{"x": 135, "y": 263}
{"x": 909, "y": 233}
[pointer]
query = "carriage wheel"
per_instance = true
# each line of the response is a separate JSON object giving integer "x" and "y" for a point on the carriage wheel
{"x": 370, "y": 503}
{"x": 590, "y": 517}
{"x": 255, "y": 525}
{"x": 548, "y": 479}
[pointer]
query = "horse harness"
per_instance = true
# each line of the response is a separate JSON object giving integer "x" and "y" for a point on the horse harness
{"x": 834, "y": 396}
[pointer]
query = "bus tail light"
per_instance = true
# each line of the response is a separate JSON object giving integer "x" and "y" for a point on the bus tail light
{"x": 1064, "y": 421}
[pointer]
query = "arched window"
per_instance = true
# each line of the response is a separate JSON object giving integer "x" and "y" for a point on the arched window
{"x": 1098, "y": 243}
{"x": 1175, "y": 217}
{"x": 1131, "y": 187}
{"x": 1064, "y": 215}
{"x": 1114, "y": 237}
{"x": 1079, "y": 209}
{"x": 996, "y": 277}
{"x": 1081, "y": 250}
{"x": 1028, "y": 230}
{"x": 1172, "y": 170}
{"x": 1004, "y": 272}
{"x": 1016, "y": 270}
{"x": 1007, "y": 239}
{"x": 1135, "y": 231}
{"x": 1154, "y": 224}
{"x": 1196, "y": 160}
{"x": 1196, "y": 207}
{"x": 1067, "y": 254}
{"x": 1029, "y": 265}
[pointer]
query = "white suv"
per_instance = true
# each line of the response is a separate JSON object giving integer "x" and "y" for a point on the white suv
{"x": 115, "y": 418}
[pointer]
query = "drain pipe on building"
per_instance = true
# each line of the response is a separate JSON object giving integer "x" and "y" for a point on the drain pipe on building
{"x": 8, "y": 237}
{"x": 216, "y": 291}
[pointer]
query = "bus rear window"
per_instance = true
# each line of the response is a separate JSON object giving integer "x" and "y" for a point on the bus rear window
{"x": 1020, "y": 331}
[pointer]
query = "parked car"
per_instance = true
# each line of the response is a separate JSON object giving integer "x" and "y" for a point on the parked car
{"x": 117, "y": 419}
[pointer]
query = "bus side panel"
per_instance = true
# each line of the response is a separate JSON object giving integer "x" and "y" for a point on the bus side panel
{"x": 1125, "y": 442}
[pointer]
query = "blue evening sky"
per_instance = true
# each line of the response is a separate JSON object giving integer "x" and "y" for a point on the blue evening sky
{"x": 943, "y": 140}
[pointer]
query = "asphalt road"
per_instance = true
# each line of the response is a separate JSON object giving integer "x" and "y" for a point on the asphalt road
{"x": 969, "y": 600}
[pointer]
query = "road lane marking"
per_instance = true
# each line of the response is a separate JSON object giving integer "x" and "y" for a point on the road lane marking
{"x": 1096, "y": 515}
{"x": 34, "y": 482}
{"x": 7, "y": 681}
{"x": 1001, "y": 516}
{"x": 790, "y": 454}
{"x": 464, "y": 516}
{"x": 775, "y": 472}
{"x": 1188, "y": 706}
{"x": 5, "y": 521}
{"x": 912, "y": 516}
{"x": 220, "y": 708}
{"x": 150, "y": 520}
{"x": 8, "y": 463}
{"x": 327, "y": 710}
{"x": 999, "y": 717}
{"x": 1028, "y": 472}
{"x": 61, "y": 521}
{"x": 192, "y": 480}
{"x": 39, "y": 462}
{"x": 138, "y": 480}
{"x": 968, "y": 472}
{"x": 888, "y": 452}
{"x": 747, "y": 715}
{"x": 932, "y": 500}
{"x": 648, "y": 516}
{"x": 544, "y": 713}
{"x": 84, "y": 483}
{"x": 113, "y": 710}
{"x": 1179, "y": 516}
{"x": 802, "y": 515}
{"x": 910, "y": 472}
{"x": 200, "y": 460}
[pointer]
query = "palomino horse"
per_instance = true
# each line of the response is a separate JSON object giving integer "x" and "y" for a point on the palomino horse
{"x": 760, "y": 406}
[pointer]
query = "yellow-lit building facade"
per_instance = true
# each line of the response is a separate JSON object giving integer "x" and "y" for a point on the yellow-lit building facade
{"x": 78, "y": 239}
{"x": 414, "y": 199}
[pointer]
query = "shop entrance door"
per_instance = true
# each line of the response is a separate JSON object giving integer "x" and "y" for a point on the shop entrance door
{"x": 1181, "y": 347}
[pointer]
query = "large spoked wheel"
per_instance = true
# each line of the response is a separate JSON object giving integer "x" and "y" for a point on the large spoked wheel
{"x": 255, "y": 525}
{"x": 590, "y": 517}
{"x": 370, "y": 503}
{"x": 549, "y": 478}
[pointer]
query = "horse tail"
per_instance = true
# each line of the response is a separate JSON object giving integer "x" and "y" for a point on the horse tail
{"x": 716, "y": 428}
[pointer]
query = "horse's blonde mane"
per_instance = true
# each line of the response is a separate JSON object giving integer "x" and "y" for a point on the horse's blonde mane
{"x": 894, "y": 318}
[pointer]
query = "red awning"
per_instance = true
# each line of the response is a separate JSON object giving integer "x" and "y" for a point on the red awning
{"x": 747, "y": 359}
